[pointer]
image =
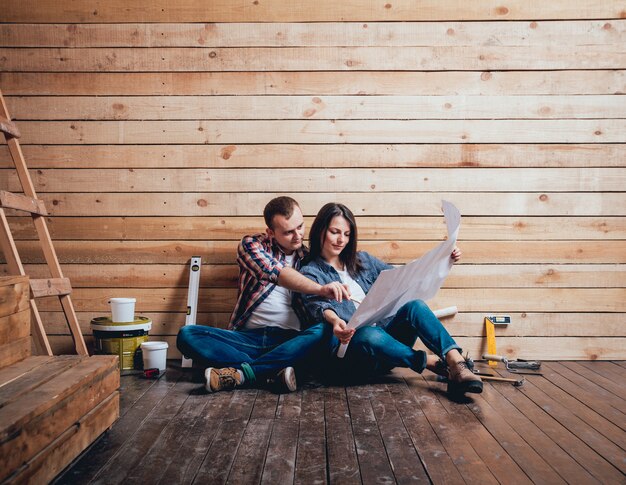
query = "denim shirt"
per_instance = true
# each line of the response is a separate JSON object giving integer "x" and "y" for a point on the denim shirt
{"x": 323, "y": 273}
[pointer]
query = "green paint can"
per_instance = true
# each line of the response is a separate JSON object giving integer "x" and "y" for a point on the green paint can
{"x": 121, "y": 339}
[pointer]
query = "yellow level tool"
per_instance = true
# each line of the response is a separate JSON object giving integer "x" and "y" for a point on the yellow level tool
{"x": 491, "y": 340}
{"x": 490, "y": 323}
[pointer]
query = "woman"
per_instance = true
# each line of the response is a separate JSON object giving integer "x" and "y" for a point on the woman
{"x": 389, "y": 343}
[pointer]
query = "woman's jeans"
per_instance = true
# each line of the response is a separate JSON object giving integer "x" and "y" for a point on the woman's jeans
{"x": 377, "y": 350}
{"x": 263, "y": 351}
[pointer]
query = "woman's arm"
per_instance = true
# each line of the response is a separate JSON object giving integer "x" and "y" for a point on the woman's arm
{"x": 340, "y": 329}
{"x": 317, "y": 304}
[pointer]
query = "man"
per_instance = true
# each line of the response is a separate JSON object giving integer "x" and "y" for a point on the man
{"x": 265, "y": 338}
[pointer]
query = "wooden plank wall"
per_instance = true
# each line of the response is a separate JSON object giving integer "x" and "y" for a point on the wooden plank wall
{"x": 157, "y": 131}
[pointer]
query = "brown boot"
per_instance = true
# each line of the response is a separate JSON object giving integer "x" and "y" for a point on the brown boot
{"x": 439, "y": 367}
{"x": 225, "y": 379}
{"x": 463, "y": 380}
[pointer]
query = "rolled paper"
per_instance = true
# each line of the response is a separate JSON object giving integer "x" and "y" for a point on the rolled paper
{"x": 446, "y": 312}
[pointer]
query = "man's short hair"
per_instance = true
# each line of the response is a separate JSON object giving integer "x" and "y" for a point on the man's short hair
{"x": 282, "y": 206}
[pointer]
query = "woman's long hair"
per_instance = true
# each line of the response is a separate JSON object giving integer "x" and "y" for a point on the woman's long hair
{"x": 317, "y": 235}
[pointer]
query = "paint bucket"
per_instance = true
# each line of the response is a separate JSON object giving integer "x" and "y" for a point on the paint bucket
{"x": 122, "y": 309}
{"x": 154, "y": 355}
{"x": 121, "y": 339}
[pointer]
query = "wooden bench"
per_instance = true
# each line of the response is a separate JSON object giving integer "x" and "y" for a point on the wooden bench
{"x": 51, "y": 408}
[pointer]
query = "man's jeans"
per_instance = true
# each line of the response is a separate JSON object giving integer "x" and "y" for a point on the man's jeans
{"x": 265, "y": 350}
{"x": 377, "y": 350}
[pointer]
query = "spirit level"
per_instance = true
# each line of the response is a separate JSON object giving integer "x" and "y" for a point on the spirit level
{"x": 192, "y": 297}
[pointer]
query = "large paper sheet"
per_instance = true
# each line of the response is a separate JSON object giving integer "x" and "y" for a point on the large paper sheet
{"x": 419, "y": 279}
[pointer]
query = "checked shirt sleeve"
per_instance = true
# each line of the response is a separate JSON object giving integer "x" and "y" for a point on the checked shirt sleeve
{"x": 255, "y": 258}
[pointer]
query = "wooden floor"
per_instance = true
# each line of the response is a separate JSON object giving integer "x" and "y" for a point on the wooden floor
{"x": 565, "y": 427}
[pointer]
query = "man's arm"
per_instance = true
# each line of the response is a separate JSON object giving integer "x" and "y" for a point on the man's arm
{"x": 292, "y": 280}
{"x": 255, "y": 260}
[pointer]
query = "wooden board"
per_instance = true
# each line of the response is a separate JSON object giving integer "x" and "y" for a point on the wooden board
{"x": 367, "y": 155}
{"x": 316, "y": 107}
{"x": 419, "y": 58}
{"x": 380, "y": 180}
{"x": 415, "y": 228}
{"x": 301, "y": 10}
{"x": 14, "y": 327}
{"x": 14, "y": 294}
{"x": 462, "y": 276}
{"x": 531, "y": 324}
{"x": 31, "y": 374}
{"x": 470, "y": 299}
{"x": 274, "y": 34}
{"x": 323, "y": 131}
{"x": 525, "y": 324}
{"x": 434, "y": 83}
{"x": 368, "y": 441}
{"x": 218, "y": 461}
{"x": 406, "y": 462}
{"x": 390, "y": 204}
{"x": 342, "y": 458}
{"x": 393, "y": 252}
{"x": 15, "y": 351}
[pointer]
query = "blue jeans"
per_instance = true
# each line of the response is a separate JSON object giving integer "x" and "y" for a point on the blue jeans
{"x": 377, "y": 350}
{"x": 259, "y": 353}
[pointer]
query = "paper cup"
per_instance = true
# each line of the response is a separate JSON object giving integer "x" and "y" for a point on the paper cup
{"x": 154, "y": 355}
{"x": 122, "y": 309}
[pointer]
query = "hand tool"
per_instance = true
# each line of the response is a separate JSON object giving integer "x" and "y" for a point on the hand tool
{"x": 491, "y": 321}
{"x": 490, "y": 377}
{"x": 192, "y": 298}
{"x": 490, "y": 332}
{"x": 519, "y": 366}
{"x": 152, "y": 373}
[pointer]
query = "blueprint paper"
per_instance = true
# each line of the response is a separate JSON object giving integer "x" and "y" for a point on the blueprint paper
{"x": 419, "y": 279}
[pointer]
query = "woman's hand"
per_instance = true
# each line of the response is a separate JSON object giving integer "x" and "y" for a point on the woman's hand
{"x": 456, "y": 254}
{"x": 341, "y": 331}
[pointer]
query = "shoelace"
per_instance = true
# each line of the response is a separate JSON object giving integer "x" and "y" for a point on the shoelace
{"x": 227, "y": 381}
{"x": 458, "y": 368}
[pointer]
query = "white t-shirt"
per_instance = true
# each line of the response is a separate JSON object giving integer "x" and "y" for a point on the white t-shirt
{"x": 356, "y": 292}
{"x": 276, "y": 309}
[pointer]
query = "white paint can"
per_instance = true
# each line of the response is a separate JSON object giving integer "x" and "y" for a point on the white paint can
{"x": 122, "y": 309}
{"x": 154, "y": 355}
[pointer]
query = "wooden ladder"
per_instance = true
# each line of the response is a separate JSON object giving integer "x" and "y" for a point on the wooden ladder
{"x": 55, "y": 286}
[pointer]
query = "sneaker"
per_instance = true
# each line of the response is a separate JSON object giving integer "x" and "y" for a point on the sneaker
{"x": 462, "y": 379}
{"x": 225, "y": 379}
{"x": 284, "y": 381}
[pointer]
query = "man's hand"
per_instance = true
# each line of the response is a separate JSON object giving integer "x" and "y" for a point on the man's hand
{"x": 335, "y": 291}
{"x": 456, "y": 254}
{"x": 341, "y": 331}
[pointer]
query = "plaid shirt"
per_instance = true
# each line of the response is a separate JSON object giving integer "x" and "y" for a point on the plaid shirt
{"x": 260, "y": 262}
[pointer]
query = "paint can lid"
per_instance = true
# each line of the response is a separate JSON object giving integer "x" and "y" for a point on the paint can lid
{"x": 154, "y": 345}
{"x": 105, "y": 324}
